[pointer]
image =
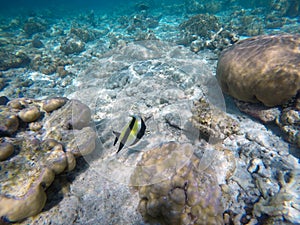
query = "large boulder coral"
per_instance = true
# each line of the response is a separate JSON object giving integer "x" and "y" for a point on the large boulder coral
{"x": 188, "y": 196}
{"x": 261, "y": 69}
{"x": 38, "y": 140}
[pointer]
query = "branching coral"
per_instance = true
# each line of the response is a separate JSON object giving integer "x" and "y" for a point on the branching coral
{"x": 285, "y": 204}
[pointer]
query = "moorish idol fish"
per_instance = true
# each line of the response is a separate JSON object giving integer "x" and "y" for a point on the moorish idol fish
{"x": 131, "y": 133}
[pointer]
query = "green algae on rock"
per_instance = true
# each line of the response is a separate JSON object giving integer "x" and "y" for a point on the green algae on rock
{"x": 30, "y": 158}
{"x": 261, "y": 69}
{"x": 188, "y": 196}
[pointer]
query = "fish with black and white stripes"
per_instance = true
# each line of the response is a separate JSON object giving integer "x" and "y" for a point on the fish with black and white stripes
{"x": 131, "y": 133}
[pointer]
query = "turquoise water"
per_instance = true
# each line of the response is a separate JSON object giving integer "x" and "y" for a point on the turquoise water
{"x": 291, "y": 7}
{"x": 152, "y": 57}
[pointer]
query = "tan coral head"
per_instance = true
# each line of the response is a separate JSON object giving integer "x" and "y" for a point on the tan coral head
{"x": 261, "y": 69}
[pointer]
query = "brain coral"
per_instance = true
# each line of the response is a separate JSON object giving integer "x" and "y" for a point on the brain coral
{"x": 261, "y": 69}
{"x": 187, "y": 197}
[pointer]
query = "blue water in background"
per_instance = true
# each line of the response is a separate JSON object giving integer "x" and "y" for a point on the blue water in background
{"x": 15, "y": 5}
{"x": 11, "y": 7}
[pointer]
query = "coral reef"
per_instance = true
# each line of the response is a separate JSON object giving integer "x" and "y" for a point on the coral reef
{"x": 34, "y": 25}
{"x": 72, "y": 44}
{"x": 193, "y": 6}
{"x": 2, "y": 83}
{"x": 9, "y": 122}
{"x": 287, "y": 117}
{"x": 213, "y": 123}
{"x": 49, "y": 64}
{"x": 139, "y": 25}
{"x": 205, "y": 31}
{"x": 283, "y": 204}
{"x": 269, "y": 74}
{"x": 84, "y": 35}
{"x": 6, "y": 150}
{"x": 37, "y": 43}
{"x": 200, "y": 6}
{"x": 188, "y": 196}
{"x": 38, "y": 139}
{"x": 10, "y": 60}
{"x": 28, "y": 205}
{"x": 201, "y": 25}
{"x": 289, "y": 123}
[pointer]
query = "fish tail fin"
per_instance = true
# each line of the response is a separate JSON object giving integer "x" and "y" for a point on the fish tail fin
{"x": 120, "y": 147}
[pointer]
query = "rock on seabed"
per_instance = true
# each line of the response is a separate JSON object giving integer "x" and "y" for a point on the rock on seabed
{"x": 37, "y": 142}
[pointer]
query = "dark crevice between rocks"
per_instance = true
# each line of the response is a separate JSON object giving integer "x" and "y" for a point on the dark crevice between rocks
{"x": 60, "y": 187}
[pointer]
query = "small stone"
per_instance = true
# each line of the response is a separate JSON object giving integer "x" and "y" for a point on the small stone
{"x": 35, "y": 126}
{"x": 52, "y": 104}
{"x": 6, "y": 150}
{"x": 29, "y": 114}
{"x": 15, "y": 104}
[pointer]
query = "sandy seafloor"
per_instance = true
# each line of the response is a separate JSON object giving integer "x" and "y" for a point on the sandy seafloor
{"x": 110, "y": 77}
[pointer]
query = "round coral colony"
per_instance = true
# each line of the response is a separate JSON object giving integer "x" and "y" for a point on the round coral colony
{"x": 261, "y": 69}
{"x": 30, "y": 114}
{"x": 6, "y": 150}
